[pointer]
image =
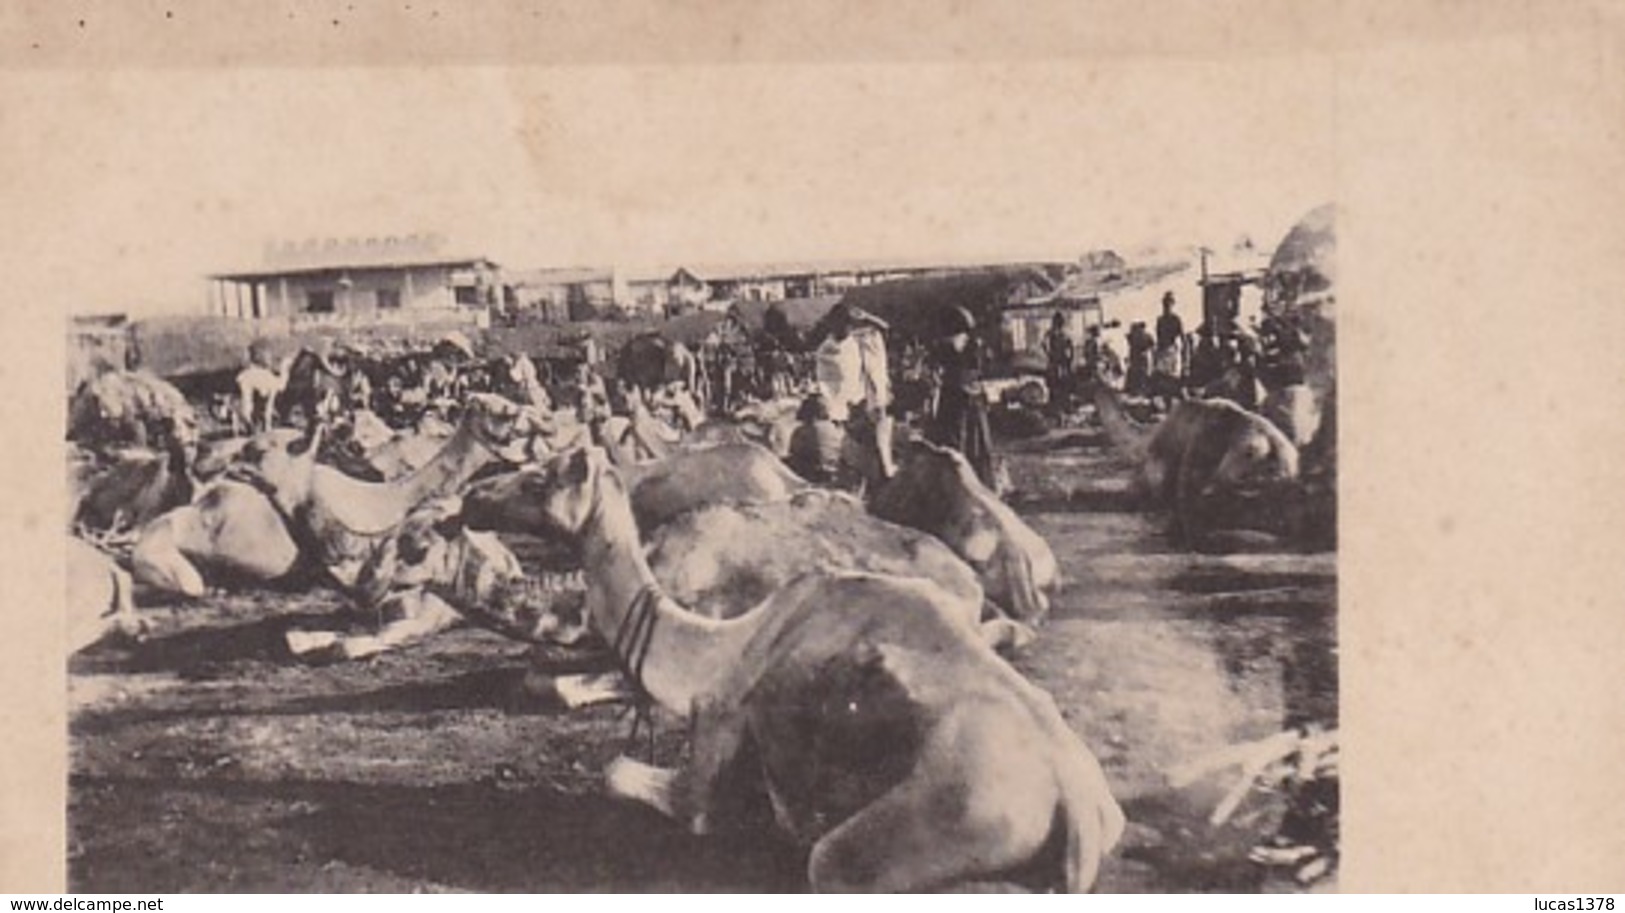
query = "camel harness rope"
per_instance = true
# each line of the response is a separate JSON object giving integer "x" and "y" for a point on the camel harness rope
{"x": 631, "y": 646}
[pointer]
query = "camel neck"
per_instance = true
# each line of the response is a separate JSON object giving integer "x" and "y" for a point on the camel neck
{"x": 1120, "y": 430}
{"x": 455, "y": 464}
{"x": 675, "y": 653}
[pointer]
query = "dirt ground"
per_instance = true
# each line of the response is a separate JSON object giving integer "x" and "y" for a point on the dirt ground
{"x": 208, "y": 760}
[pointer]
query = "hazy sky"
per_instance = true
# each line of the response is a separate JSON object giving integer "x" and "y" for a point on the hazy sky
{"x": 140, "y": 182}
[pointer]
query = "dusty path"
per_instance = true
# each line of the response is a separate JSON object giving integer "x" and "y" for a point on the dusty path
{"x": 209, "y": 761}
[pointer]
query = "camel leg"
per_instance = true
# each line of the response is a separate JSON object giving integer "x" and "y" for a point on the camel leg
{"x": 636, "y": 781}
{"x": 416, "y": 617}
{"x": 157, "y": 561}
{"x": 580, "y": 690}
{"x": 1196, "y": 472}
{"x": 883, "y": 444}
{"x": 934, "y": 830}
{"x": 687, "y": 795}
{"x": 1003, "y": 633}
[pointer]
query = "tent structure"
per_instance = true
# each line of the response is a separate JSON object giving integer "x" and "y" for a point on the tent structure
{"x": 1303, "y": 271}
{"x": 917, "y": 308}
{"x": 801, "y": 314}
{"x": 691, "y": 329}
{"x": 1302, "y": 279}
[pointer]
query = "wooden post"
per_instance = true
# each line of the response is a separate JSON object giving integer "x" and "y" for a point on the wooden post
{"x": 282, "y": 296}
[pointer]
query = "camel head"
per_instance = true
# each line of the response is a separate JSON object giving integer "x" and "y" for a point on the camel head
{"x": 281, "y": 462}
{"x": 1258, "y": 461}
{"x": 936, "y": 491}
{"x": 476, "y": 574}
{"x": 417, "y": 553}
{"x": 502, "y": 426}
{"x": 552, "y": 500}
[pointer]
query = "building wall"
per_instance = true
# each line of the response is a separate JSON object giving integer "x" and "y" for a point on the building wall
{"x": 760, "y": 290}
{"x": 430, "y": 289}
{"x": 599, "y": 293}
{"x": 1024, "y": 329}
{"x": 646, "y": 295}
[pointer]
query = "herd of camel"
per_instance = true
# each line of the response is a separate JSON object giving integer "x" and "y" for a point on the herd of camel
{"x": 837, "y": 657}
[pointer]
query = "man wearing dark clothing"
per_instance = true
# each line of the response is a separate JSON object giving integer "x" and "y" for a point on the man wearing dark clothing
{"x": 1207, "y": 358}
{"x": 1171, "y": 353}
{"x": 960, "y": 418}
{"x": 1058, "y": 350}
{"x": 1058, "y": 355}
{"x": 1140, "y": 344}
{"x": 1284, "y": 351}
{"x": 1092, "y": 355}
{"x": 816, "y": 444}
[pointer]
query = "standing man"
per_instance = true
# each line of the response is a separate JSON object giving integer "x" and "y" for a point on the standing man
{"x": 1058, "y": 357}
{"x": 1140, "y": 345}
{"x": 960, "y": 417}
{"x": 258, "y": 387}
{"x": 857, "y": 370}
{"x": 1093, "y": 358}
{"x": 1171, "y": 355}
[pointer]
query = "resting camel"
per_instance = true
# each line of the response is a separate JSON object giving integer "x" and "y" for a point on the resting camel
{"x": 138, "y": 486}
{"x": 99, "y": 596}
{"x": 127, "y": 408}
{"x": 293, "y": 510}
{"x": 885, "y": 734}
{"x": 769, "y": 423}
{"x": 423, "y": 572}
{"x": 340, "y": 520}
{"x": 728, "y": 523}
{"x": 231, "y": 532}
{"x": 1204, "y": 462}
{"x": 722, "y": 560}
{"x": 635, "y": 438}
{"x": 937, "y": 492}
{"x": 722, "y": 474}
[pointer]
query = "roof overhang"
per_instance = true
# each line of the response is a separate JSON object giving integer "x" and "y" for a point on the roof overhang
{"x": 341, "y": 268}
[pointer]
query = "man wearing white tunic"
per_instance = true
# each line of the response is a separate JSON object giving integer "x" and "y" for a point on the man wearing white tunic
{"x": 257, "y": 389}
{"x": 852, "y": 370}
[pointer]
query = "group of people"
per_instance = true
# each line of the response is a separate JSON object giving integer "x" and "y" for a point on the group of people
{"x": 333, "y": 381}
{"x": 735, "y": 368}
{"x": 846, "y": 421}
{"x": 1063, "y": 368}
{"x": 1220, "y": 356}
{"x": 850, "y": 418}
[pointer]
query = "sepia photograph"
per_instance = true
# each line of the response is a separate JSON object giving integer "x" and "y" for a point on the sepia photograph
{"x": 777, "y": 479}
{"x": 534, "y": 446}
